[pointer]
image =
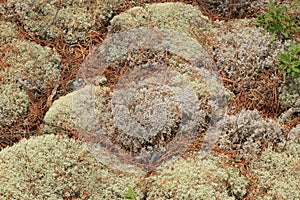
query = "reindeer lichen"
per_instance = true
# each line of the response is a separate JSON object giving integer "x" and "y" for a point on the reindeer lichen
{"x": 13, "y": 103}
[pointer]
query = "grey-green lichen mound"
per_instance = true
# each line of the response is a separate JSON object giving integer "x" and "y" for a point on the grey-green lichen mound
{"x": 13, "y": 103}
{"x": 193, "y": 178}
{"x": 140, "y": 114}
{"x": 60, "y": 114}
{"x": 247, "y": 133}
{"x": 146, "y": 108}
{"x": 277, "y": 174}
{"x": 7, "y": 31}
{"x": 240, "y": 57}
{"x": 290, "y": 91}
{"x": 50, "y": 18}
{"x": 249, "y": 63}
{"x": 31, "y": 65}
{"x": 64, "y": 112}
{"x": 55, "y": 167}
{"x": 290, "y": 113}
{"x": 294, "y": 132}
{"x": 181, "y": 17}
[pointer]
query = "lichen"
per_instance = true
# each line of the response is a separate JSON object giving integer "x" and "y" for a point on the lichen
{"x": 55, "y": 167}
{"x": 49, "y": 18}
{"x": 146, "y": 90}
{"x": 247, "y": 133}
{"x": 192, "y": 178}
{"x": 13, "y": 103}
{"x": 178, "y": 16}
{"x": 250, "y": 63}
{"x": 240, "y": 57}
{"x": 294, "y": 133}
{"x": 85, "y": 108}
{"x": 151, "y": 100}
{"x": 290, "y": 113}
{"x": 290, "y": 91}
{"x": 277, "y": 173}
{"x": 31, "y": 65}
{"x": 59, "y": 114}
{"x": 7, "y": 31}
{"x": 240, "y": 9}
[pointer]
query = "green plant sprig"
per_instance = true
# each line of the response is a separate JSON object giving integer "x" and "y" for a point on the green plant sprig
{"x": 130, "y": 194}
{"x": 277, "y": 21}
{"x": 290, "y": 60}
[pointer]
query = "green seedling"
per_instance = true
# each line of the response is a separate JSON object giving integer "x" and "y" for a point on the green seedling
{"x": 290, "y": 60}
{"x": 277, "y": 21}
{"x": 130, "y": 194}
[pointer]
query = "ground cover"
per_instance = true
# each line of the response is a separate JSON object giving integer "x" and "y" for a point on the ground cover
{"x": 259, "y": 139}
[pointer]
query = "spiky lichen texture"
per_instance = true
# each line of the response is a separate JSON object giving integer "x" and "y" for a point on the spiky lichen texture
{"x": 198, "y": 179}
{"x": 63, "y": 111}
{"x": 178, "y": 16}
{"x": 60, "y": 114}
{"x": 236, "y": 54}
{"x": 55, "y": 167}
{"x": 240, "y": 9}
{"x": 150, "y": 104}
{"x": 247, "y": 133}
{"x": 50, "y": 18}
{"x": 249, "y": 62}
{"x": 294, "y": 132}
{"x": 13, "y": 103}
{"x": 7, "y": 31}
{"x": 277, "y": 174}
{"x": 290, "y": 113}
{"x": 31, "y": 65}
{"x": 146, "y": 101}
{"x": 290, "y": 91}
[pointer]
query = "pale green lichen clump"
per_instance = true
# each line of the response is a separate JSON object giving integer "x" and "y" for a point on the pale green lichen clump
{"x": 181, "y": 17}
{"x": 31, "y": 65}
{"x": 13, "y": 103}
{"x": 156, "y": 99}
{"x": 7, "y": 31}
{"x": 278, "y": 174}
{"x": 50, "y": 18}
{"x": 290, "y": 91}
{"x": 60, "y": 114}
{"x": 55, "y": 167}
{"x": 197, "y": 179}
{"x": 240, "y": 57}
{"x": 294, "y": 132}
{"x": 247, "y": 133}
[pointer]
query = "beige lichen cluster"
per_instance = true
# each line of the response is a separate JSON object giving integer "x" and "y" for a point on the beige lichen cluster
{"x": 56, "y": 167}
{"x": 174, "y": 16}
{"x": 247, "y": 133}
{"x": 27, "y": 66}
{"x": 290, "y": 92}
{"x": 49, "y": 19}
{"x": 278, "y": 174}
{"x": 7, "y": 31}
{"x": 31, "y": 67}
{"x": 198, "y": 179}
{"x": 13, "y": 103}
